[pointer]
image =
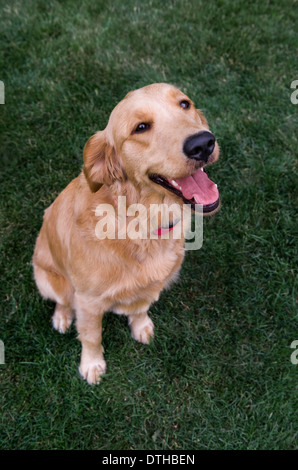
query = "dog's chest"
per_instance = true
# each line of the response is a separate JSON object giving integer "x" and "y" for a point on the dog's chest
{"x": 157, "y": 268}
{"x": 146, "y": 275}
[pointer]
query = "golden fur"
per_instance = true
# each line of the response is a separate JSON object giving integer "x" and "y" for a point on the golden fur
{"x": 86, "y": 276}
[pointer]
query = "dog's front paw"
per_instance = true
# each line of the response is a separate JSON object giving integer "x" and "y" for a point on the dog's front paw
{"x": 141, "y": 327}
{"x": 93, "y": 370}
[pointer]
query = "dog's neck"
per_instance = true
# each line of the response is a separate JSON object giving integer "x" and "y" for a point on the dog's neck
{"x": 137, "y": 248}
{"x": 156, "y": 205}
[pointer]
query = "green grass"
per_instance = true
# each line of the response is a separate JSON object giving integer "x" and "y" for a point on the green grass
{"x": 218, "y": 373}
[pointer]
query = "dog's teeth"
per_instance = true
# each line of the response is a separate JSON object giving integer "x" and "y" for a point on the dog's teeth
{"x": 216, "y": 185}
{"x": 196, "y": 199}
{"x": 175, "y": 184}
{"x": 202, "y": 169}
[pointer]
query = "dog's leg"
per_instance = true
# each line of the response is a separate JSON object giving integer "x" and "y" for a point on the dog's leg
{"x": 89, "y": 327}
{"x": 55, "y": 287}
{"x": 62, "y": 318}
{"x": 141, "y": 327}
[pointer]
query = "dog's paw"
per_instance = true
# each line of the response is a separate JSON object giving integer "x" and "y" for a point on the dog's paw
{"x": 141, "y": 327}
{"x": 93, "y": 370}
{"x": 62, "y": 318}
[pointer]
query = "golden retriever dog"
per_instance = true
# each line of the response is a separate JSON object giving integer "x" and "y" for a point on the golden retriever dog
{"x": 153, "y": 151}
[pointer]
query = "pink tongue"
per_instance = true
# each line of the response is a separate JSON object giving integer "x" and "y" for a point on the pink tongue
{"x": 200, "y": 187}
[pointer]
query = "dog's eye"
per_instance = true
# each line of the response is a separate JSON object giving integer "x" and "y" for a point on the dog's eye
{"x": 142, "y": 127}
{"x": 185, "y": 104}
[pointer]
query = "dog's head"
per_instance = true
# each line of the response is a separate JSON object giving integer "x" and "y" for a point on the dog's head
{"x": 156, "y": 138}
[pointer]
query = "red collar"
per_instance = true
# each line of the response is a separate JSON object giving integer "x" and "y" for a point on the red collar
{"x": 163, "y": 231}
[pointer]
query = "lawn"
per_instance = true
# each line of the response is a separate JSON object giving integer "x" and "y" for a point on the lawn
{"x": 218, "y": 374}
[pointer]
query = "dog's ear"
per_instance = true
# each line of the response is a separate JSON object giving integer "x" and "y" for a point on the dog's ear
{"x": 101, "y": 165}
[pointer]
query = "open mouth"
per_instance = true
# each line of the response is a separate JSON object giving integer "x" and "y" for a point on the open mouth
{"x": 194, "y": 189}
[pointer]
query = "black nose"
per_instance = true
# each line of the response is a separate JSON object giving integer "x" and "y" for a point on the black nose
{"x": 199, "y": 146}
